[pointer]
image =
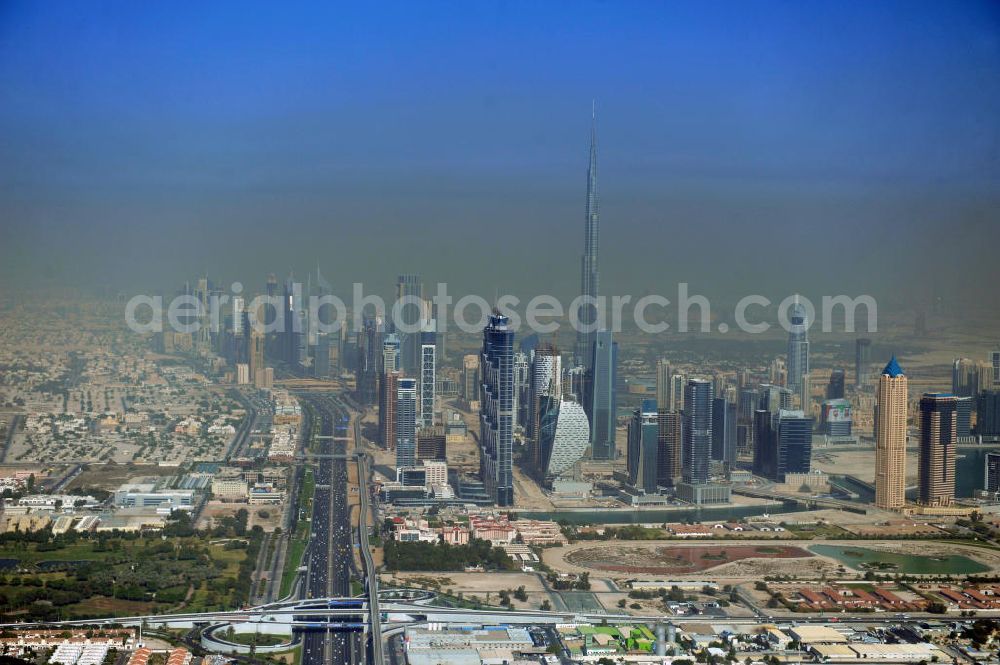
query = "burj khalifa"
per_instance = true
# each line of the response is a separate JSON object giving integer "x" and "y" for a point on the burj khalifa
{"x": 589, "y": 275}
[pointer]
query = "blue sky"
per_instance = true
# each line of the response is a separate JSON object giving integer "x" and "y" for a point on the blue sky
{"x": 770, "y": 142}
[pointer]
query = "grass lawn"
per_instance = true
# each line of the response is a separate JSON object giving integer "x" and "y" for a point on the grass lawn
{"x": 99, "y": 605}
{"x": 296, "y": 548}
{"x": 260, "y": 639}
{"x": 81, "y": 551}
{"x": 817, "y": 530}
{"x": 297, "y": 544}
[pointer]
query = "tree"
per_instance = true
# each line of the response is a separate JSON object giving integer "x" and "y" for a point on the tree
{"x": 546, "y": 606}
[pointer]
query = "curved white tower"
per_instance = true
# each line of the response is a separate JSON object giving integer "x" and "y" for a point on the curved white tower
{"x": 564, "y": 434}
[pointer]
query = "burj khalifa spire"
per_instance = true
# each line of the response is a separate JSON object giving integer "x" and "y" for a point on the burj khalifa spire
{"x": 589, "y": 275}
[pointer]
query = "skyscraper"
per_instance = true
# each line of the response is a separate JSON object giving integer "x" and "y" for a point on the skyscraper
{"x": 663, "y": 374}
{"x": 773, "y": 398}
{"x": 390, "y": 353}
{"x": 670, "y": 443}
{"x": 991, "y": 472}
{"x": 963, "y": 376}
{"x": 522, "y": 389}
{"x": 724, "y": 430}
{"x": 936, "y": 469}
{"x": 370, "y": 359}
{"x": 563, "y": 436}
{"x": 470, "y": 378}
{"x": 409, "y": 289}
{"x": 836, "y": 417}
{"x": 988, "y": 414}
{"x": 970, "y": 377}
{"x": 798, "y": 348}
{"x": 432, "y": 444}
{"x": 496, "y": 410}
{"x": 794, "y": 443}
{"x": 890, "y": 438}
{"x": 835, "y": 389}
{"x": 275, "y": 305}
{"x": 406, "y": 423}
{"x": 677, "y": 383}
{"x": 239, "y": 308}
{"x": 643, "y": 448}
{"x": 387, "y": 404}
{"x": 603, "y": 396}
{"x": 746, "y": 405}
{"x": 995, "y": 364}
{"x": 963, "y": 417}
{"x": 428, "y": 374}
{"x": 765, "y": 450}
{"x": 589, "y": 275}
{"x": 697, "y": 430}
{"x": 293, "y": 334}
{"x": 783, "y": 443}
{"x": 862, "y": 359}
{"x": 545, "y": 380}
{"x": 256, "y": 352}
{"x": 321, "y": 362}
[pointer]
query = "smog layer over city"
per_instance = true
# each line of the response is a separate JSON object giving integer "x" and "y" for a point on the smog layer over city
{"x": 499, "y": 333}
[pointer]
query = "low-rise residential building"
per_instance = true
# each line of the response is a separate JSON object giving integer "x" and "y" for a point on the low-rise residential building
{"x": 539, "y": 532}
{"x": 145, "y": 495}
{"x": 265, "y": 494}
{"x": 229, "y": 489}
{"x": 497, "y": 531}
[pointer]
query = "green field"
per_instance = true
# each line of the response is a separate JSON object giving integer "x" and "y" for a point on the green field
{"x": 297, "y": 544}
{"x": 74, "y": 576}
{"x": 260, "y": 639}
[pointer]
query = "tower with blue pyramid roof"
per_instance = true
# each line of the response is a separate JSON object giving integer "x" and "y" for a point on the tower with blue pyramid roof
{"x": 891, "y": 400}
{"x": 893, "y": 369}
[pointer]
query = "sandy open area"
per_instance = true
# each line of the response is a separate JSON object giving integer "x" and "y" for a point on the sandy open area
{"x": 578, "y": 558}
{"x": 467, "y": 582}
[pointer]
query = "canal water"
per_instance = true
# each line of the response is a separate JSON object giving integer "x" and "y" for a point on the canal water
{"x": 721, "y": 513}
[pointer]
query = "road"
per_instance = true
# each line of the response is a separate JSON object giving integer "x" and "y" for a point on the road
{"x": 307, "y": 612}
{"x": 268, "y": 593}
{"x": 330, "y": 557}
{"x": 375, "y": 645}
{"x": 239, "y": 442}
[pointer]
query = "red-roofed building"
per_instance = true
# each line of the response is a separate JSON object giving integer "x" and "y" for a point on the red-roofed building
{"x": 491, "y": 529}
{"x": 888, "y": 597}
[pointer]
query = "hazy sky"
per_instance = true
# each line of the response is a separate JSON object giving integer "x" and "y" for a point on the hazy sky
{"x": 836, "y": 147}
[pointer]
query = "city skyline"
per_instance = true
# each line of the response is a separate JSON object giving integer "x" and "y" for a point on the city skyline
{"x": 300, "y": 363}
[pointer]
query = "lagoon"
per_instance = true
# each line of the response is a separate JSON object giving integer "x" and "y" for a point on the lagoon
{"x": 862, "y": 558}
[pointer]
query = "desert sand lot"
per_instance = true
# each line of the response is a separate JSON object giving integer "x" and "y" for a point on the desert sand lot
{"x": 467, "y": 582}
{"x": 574, "y": 558}
{"x": 475, "y": 586}
{"x": 859, "y": 463}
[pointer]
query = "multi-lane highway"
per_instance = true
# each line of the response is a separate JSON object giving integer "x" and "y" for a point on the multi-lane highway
{"x": 330, "y": 558}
